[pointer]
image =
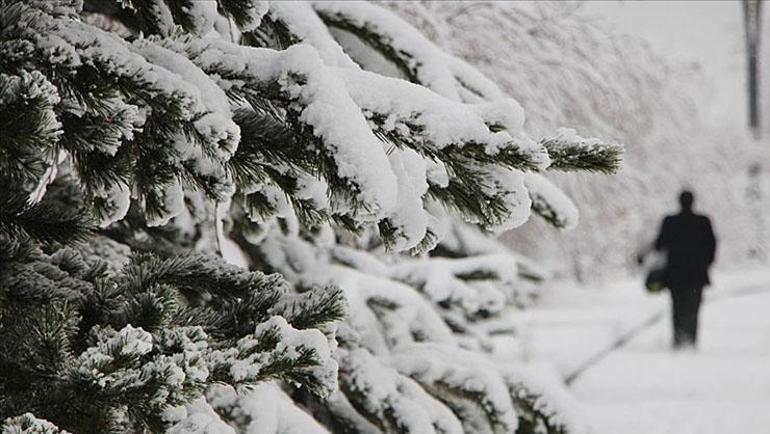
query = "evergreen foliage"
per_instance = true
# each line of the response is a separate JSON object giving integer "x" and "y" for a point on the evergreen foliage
{"x": 98, "y": 349}
{"x": 48, "y": 221}
{"x": 139, "y": 137}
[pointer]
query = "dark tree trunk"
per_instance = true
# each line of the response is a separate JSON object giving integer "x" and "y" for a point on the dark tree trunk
{"x": 752, "y": 20}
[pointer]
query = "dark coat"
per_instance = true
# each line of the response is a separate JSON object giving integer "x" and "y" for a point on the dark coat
{"x": 689, "y": 242}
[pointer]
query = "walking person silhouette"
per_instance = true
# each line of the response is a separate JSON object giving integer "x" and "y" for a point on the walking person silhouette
{"x": 690, "y": 245}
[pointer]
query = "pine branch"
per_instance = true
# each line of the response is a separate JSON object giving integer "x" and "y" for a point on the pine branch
{"x": 29, "y": 130}
{"x": 28, "y": 423}
{"x": 271, "y": 33}
{"x": 159, "y": 17}
{"x": 378, "y": 41}
{"x": 533, "y": 414}
{"x": 570, "y": 152}
{"x": 547, "y": 213}
{"x": 313, "y": 308}
{"x": 512, "y": 156}
{"x": 36, "y": 342}
{"x": 197, "y": 277}
{"x": 470, "y": 194}
{"x": 278, "y": 351}
{"x": 247, "y": 14}
{"x": 46, "y": 222}
{"x": 550, "y": 203}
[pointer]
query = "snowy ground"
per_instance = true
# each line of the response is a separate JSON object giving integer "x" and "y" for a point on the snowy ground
{"x": 724, "y": 387}
{"x": 642, "y": 386}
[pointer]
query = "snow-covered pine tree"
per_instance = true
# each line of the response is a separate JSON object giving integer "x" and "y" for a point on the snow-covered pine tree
{"x": 145, "y": 135}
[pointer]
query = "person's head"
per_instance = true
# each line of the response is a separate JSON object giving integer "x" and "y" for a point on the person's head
{"x": 686, "y": 199}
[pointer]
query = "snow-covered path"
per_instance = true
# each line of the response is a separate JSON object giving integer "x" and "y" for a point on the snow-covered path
{"x": 724, "y": 387}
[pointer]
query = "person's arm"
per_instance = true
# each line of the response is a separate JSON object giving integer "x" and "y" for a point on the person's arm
{"x": 711, "y": 242}
{"x": 662, "y": 241}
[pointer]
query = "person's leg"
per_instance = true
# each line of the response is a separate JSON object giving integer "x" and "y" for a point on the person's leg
{"x": 696, "y": 303}
{"x": 677, "y": 315}
{"x": 690, "y": 303}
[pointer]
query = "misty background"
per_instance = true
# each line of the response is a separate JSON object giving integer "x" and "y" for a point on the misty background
{"x": 667, "y": 79}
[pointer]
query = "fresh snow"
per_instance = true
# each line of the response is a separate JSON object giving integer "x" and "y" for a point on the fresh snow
{"x": 723, "y": 387}
{"x": 432, "y": 66}
{"x": 271, "y": 410}
{"x": 301, "y": 20}
{"x": 324, "y": 105}
{"x": 643, "y": 386}
{"x": 443, "y": 122}
{"x": 461, "y": 372}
